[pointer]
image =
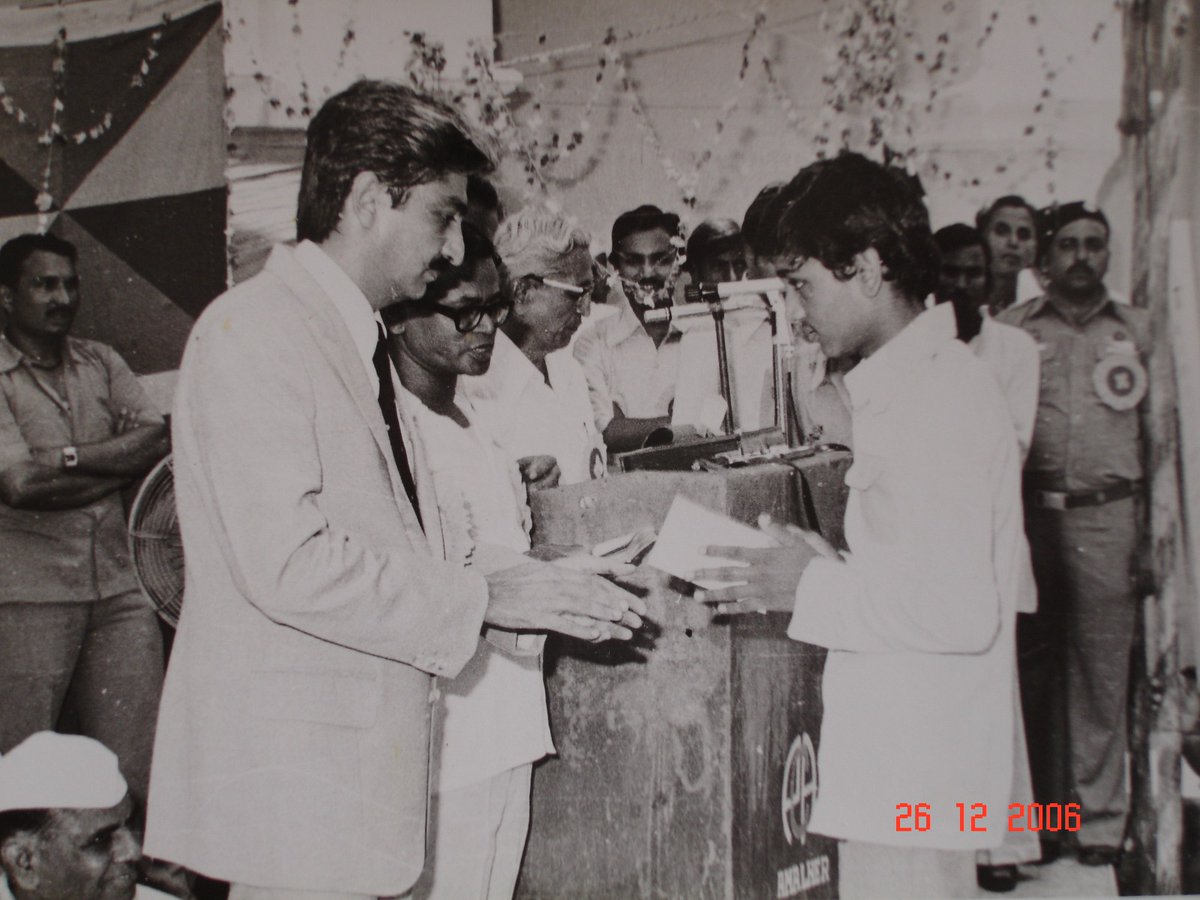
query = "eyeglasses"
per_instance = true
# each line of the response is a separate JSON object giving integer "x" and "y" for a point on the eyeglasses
{"x": 577, "y": 291}
{"x": 467, "y": 318}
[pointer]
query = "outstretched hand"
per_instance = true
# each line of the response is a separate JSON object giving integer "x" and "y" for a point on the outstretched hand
{"x": 763, "y": 579}
{"x": 537, "y": 596}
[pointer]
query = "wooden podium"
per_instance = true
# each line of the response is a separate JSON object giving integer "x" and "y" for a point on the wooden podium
{"x": 687, "y": 759}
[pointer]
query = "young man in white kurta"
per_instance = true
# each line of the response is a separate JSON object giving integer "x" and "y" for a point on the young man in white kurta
{"x": 919, "y": 614}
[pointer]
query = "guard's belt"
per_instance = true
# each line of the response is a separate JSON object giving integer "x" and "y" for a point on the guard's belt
{"x": 1118, "y": 490}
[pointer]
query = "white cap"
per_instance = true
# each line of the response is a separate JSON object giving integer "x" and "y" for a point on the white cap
{"x": 60, "y": 771}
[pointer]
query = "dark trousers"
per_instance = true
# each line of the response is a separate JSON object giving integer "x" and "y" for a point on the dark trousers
{"x": 98, "y": 666}
{"x": 1074, "y": 657}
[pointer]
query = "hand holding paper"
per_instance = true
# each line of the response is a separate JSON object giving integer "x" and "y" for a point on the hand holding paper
{"x": 761, "y": 571}
{"x": 688, "y": 533}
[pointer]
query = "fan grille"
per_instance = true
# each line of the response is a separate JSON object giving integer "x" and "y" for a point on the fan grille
{"x": 155, "y": 542}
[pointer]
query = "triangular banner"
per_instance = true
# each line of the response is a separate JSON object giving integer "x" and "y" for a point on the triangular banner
{"x": 100, "y": 83}
{"x": 16, "y": 194}
{"x": 176, "y": 128}
{"x": 176, "y": 243}
{"x": 122, "y": 309}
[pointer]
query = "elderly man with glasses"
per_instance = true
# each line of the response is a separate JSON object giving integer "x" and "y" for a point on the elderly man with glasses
{"x": 534, "y": 397}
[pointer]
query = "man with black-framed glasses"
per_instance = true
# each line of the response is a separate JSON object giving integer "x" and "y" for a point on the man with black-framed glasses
{"x": 632, "y": 365}
{"x": 493, "y": 719}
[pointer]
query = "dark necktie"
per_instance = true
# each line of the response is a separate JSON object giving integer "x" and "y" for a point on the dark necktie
{"x": 387, "y": 406}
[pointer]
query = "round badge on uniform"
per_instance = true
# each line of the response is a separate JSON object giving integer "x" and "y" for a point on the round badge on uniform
{"x": 1121, "y": 381}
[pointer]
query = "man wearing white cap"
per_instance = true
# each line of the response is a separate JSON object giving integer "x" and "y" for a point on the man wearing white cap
{"x": 65, "y": 830}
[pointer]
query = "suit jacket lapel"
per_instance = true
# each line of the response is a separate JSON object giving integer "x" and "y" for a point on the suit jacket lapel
{"x": 331, "y": 335}
{"x": 426, "y": 493}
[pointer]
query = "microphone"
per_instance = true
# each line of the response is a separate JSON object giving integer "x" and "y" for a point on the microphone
{"x": 691, "y": 310}
{"x": 708, "y": 292}
{"x": 701, "y": 298}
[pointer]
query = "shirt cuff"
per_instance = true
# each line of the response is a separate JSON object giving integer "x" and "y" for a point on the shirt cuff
{"x": 824, "y": 582}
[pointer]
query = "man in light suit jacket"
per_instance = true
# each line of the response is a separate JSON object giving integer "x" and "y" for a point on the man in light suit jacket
{"x": 293, "y": 741}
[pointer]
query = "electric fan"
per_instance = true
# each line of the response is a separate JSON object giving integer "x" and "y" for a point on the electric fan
{"x": 155, "y": 542}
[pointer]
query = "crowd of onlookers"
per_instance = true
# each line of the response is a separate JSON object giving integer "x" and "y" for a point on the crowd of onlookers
{"x": 355, "y": 433}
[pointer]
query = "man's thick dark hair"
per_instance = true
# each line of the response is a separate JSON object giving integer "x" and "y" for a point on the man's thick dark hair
{"x": 711, "y": 238}
{"x": 482, "y": 192}
{"x": 959, "y": 236}
{"x": 835, "y": 209}
{"x": 14, "y": 253}
{"x": 760, "y": 225}
{"x": 402, "y": 136}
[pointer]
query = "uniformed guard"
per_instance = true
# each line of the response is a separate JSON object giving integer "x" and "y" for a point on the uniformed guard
{"x": 1083, "y": 489}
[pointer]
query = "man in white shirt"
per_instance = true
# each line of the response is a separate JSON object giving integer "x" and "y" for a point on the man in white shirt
{"x": 919, "y": 614}
{"x": 632, "y": 365}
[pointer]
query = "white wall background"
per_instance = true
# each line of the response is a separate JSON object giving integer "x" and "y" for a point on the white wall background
{"x": 687, "y": 68}
{"x": 684, "y": 56}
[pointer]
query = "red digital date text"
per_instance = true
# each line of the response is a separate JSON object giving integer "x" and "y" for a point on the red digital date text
{"x": 973, "y": 817}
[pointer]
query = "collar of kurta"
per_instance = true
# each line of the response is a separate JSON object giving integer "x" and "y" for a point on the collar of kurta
{"x": 509, "y": 372}
{"x": 512, "y": 371}
{"x": 875, "y": 380}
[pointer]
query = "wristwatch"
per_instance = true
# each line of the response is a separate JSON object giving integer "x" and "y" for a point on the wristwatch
{"x": 70, "y": 457}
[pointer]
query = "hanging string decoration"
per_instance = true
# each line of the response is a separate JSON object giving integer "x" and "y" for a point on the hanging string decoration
{"x": 881, "y": 83}
{"x": 53, "y": 134}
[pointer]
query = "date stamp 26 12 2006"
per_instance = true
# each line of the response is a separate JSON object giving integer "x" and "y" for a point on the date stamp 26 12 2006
{"x": 973, "y": 816}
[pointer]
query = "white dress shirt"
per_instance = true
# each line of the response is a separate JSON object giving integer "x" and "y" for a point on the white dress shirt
{"x": 528, "y": 416}
{"x": 494, "y": 715}
{"x": 622, "y": 366}
{"x": 919, "y": 616}
{"x": 352, "y": 305}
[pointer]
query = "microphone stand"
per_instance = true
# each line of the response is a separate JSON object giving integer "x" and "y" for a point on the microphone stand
{"x": 716, "y": 300}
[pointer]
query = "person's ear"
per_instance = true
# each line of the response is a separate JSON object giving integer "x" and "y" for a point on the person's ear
{"x": 368, "y": 196}
{"x": 869, "y": 270}
{"x": 519, "y": 292}
{"x": 6, "y": 298}
{"x": 19, "y": 860}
